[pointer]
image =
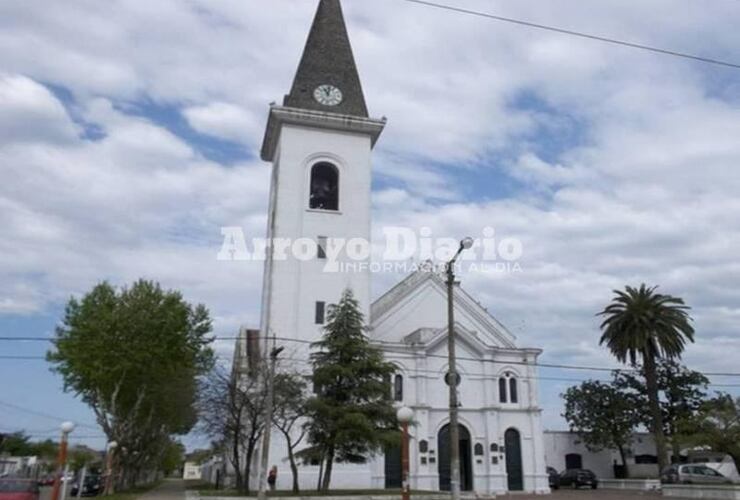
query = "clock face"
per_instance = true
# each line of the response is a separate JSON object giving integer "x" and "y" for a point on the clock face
{"x": 328, "y": 95}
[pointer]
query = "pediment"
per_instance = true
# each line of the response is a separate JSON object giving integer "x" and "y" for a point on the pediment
{"x": 432, "y": 341}
{"x": 416, "y": 308}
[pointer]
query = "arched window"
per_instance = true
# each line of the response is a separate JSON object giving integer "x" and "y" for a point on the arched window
{"x": 324, "y": 187}
{"x": 423, "y": 446}
{"x": 513, "y": 393}
{"x": 508, "y": 389}
{"x": 502, "y": 390}
{"x": 398, "y": 388}
{"x": 478, "y": 450}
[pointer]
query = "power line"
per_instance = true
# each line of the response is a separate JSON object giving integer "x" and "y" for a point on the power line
{"x": 579, "y": 34}
{"x": 395, "y": 344}
{"x": 28, "y": 339}
{"x": 419, "y": 371}
{"x": 43, "y": 415}
{"x": 517, "y": 363}
{"x": 27, "y": 358}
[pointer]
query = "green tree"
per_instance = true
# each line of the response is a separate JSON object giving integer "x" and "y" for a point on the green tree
{"x": 643, "y": 324}
{"x": 47, "y": 449}
{"x": 81, "y": 456}
{"x": 289, "y": 409}
{"x": 173, "y": 457}
{"x": 602, "y": 415}
{"x": 17, "y": 444}
{"x": 351, "y": 415}
{"x": 682, "y": 394}
{"x": 719, "y": 426}
{"x": 134, "y": 356}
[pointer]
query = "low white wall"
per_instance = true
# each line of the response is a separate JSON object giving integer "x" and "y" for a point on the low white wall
{"x": 630, "y": 484}
{"x": 702, "y": 491}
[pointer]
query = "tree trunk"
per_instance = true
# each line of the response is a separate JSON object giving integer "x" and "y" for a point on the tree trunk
{"x": 321, "y": 475}
{"x": 651, "y": 383}
{"x": 248, "y": 467}
{"x": 676, "y": 445}
{"x": 329, "y": 467}
{"x": 624, "y": 462}
{"x": 236, "y": 462}
{"x": 293, "y": 465}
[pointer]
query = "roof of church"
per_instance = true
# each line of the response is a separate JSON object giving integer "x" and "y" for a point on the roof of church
{"x": 328, "y": 59}
{"x": 394, "y": 297}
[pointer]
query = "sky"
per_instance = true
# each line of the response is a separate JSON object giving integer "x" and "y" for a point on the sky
{"x": 129, "y": 136}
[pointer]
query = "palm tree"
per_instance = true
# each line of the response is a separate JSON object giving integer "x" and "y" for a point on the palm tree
{"x": 642, "y": 323}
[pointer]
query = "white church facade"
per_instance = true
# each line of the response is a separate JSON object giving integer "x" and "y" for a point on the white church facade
{"x": 320, "y": 143}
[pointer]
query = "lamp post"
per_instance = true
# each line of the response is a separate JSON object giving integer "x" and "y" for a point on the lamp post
{"x": 262, "y": 495}
{"x": 66, "y": 428}
{"x": 404, "y": 416}
{"x": 453, "y": 379}
{"x": 108, "y": 490}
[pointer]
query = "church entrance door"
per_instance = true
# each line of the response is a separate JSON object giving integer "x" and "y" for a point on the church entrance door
{"x": 444, "y": 468}
{"x": 393, "y": 475}
{"x": 514, "y": 471}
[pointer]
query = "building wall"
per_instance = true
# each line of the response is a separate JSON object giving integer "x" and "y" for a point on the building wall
{"x": 191, "y": 471}
{"x": 481, "y": 413}
{"x": 292, "y": 286}
{"x": 558, "y": 444}
{"x": 20, "y": 466}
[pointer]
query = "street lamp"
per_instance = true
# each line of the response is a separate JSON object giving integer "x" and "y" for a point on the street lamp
{"x": 66, "y": 427}
{"x": 262, "y": 493}
{"x": 404, "y": 416}
{"x": 108, "y": 490}
{"x": 453, "y": 379}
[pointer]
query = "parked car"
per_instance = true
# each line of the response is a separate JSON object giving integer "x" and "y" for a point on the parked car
{"x": 18, "y": 489}
{"x": 46, "y": 481}
{"x": 92, "y": 486}
{"x": 692, "y": 474}
{"x": 553, "y": 478}
{"x": 578, "y": 478}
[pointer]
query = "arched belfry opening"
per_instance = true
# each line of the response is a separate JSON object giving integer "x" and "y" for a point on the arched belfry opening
{"x": 324, "y": 193}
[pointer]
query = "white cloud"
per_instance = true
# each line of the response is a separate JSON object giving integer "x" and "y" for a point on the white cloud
{"x": 626, "y": 160}
{"x": 222, "y": 120}
{"x": 31, "y": 113}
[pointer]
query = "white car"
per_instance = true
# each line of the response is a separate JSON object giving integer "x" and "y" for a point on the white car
{"x": 693, "y": 474}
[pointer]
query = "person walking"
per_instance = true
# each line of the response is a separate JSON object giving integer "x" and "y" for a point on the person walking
{"x": 272, "y": 477}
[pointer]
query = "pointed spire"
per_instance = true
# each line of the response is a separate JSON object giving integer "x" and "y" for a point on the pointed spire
{"x": 328, "y": 60}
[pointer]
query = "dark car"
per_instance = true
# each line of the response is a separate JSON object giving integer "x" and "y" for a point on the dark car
{"x": 18, "y": 489}
{"x": 578, "y": 478}
{"x": 553, "y": 478}
{"x": 93, "y": 486}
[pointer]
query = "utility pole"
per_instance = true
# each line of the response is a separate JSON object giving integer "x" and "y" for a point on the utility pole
{"x": 453, "y": 379}
{"x": 268, "y": 421}
{"x": 81, "y": 484}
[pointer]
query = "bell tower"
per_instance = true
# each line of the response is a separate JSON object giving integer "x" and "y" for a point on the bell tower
{"x": 320, "y": 144}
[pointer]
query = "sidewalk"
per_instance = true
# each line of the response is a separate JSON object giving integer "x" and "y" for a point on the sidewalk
{"x": 170, "y": 489}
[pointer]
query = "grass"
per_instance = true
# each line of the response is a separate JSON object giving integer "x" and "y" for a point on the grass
{"x": 133, "y": 493}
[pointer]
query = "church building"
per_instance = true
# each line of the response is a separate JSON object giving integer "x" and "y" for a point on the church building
{"x": 320, "y": 143}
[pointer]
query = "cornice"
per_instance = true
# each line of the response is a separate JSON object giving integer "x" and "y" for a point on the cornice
{"x": 281, "y": 115}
